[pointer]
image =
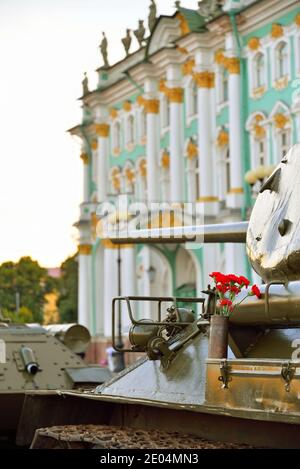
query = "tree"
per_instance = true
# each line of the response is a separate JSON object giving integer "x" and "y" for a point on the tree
{"x": 68, "y": 291}
{"x": 24, "y": 315}
{"x": 24, "y": 284}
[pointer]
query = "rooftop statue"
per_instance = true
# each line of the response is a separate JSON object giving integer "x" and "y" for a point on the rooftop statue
{"x": 209, "y": 8}
{"x": 85, "y": 85}
{"x": 140, "y": 33}
{"x": 103, "y": 49}
{"x": 127, "y": 41}
{"x": 152, "y": 15}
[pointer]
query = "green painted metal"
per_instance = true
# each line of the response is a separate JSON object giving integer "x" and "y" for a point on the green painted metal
{"x": 133, "y": 82}
{"x": 183, "y": 383}
{"x": 196, "y": 22}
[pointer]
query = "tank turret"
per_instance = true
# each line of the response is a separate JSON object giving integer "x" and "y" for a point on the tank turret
{"x": 33, "y": 357}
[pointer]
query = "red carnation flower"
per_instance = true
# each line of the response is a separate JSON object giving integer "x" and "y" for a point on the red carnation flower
{"x": 225, "y": 302}
{"x": 243, "y": 281}
{"x": 232, "y": 278}
{"x": 235, "y": 289}
{"x": 256, "y": 291}
{"x": 222, "y": 288}
{"x": 218, "y": 277}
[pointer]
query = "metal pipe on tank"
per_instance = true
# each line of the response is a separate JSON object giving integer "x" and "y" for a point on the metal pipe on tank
{"x": 279, "y": 306}
{"x": 214, "y": 233}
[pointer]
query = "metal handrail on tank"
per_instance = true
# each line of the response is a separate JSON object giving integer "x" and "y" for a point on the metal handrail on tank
{"x": 145, "y": 322}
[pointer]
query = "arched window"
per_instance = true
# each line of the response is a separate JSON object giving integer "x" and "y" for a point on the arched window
{"x": 259, "y": 70}
{"x": 257, "y": 127}
{"x": 116, "y": 137}
{"x": 284, "y": 140}
{"x": 130, "y": 130}
{"x": 129, "y": 178}
{"x": 141, "y": 179}
{"x": 192, "y": 169}
{"x": 281, "y": 60}
{"x": 165, "y": 175}
{"x": 115, "y": 180}
{"x": 261, "y": 152}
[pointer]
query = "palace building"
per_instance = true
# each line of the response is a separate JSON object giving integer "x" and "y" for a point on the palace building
{"x": 201, "y": 111}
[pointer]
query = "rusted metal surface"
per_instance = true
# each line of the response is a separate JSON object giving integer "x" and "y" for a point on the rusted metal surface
{"x": 113, "y": 437}
{"x": 209, "y": 422}
{"x": 218, "y": 337}
{"x": 263, "y": 385}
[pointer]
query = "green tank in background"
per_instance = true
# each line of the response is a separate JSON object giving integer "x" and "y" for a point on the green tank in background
{"x": 33, "y": 357}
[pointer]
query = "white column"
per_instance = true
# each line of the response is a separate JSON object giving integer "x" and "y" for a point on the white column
{"x": 235, "y": 196}
{"x": 84, "y": 286}
{"x": 151, "y": 105}
{"x": 86, "y": 161}
{"x": 175, "y": 95}
{"x": 110, "y": 287}
{"x": 211, "y": 256}
{"x": 102, "y": 131}
{"x": 128, "y": 281}
{"x": 206, "y": 81}
{"x": 99, "y": 285}
{"x": 235, "y": 259}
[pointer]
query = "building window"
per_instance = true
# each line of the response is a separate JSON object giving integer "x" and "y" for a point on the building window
{"x": 116, "y": 137}
{"x": 129, "y": 178}
{"x": 259, "y": 70}
{"x": 193, "y": 185}
{"x": 130, "y": 130}
{"x": 281, "y": 60}
{"x": 284, "y": 138}
{"x": 224, "y": 86}
{"x": 115, "y": 180}
{"x": 261, "y": 152}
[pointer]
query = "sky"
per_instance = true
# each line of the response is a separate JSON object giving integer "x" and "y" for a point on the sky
{"x": 45, "y": 46}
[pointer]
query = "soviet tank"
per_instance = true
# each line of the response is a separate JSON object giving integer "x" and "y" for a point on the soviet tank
{"x": 49, "y": 358}
{"x": 250, "y": 395}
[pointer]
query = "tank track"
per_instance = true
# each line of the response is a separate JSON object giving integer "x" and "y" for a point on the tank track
{"x": 113, "y": 437}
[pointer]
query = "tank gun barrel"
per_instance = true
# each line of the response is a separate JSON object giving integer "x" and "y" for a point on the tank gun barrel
{"x": 211, "y": 233}
{"x": 75, "y": 336}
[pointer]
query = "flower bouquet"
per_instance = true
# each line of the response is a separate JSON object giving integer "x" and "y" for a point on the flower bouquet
{"x": 226, "y": 290}
{"x": 227, "y": 287}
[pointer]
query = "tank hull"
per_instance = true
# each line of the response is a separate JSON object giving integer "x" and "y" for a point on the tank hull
{"x": 251, "y": 404}
{"x": 209, "y": 422}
